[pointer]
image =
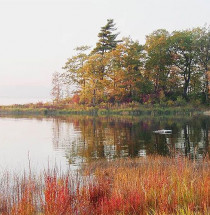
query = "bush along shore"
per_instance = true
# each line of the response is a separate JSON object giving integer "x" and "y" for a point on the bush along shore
{"x": 151, "y": 185}
{"x": 127, "y": 109}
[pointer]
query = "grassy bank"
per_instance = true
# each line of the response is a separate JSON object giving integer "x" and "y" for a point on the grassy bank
{"x": 124, "y": 110}
{"x": 152, "y": 185}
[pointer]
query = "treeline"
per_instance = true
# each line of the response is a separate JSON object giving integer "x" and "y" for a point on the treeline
{"x": 169, "y": 67}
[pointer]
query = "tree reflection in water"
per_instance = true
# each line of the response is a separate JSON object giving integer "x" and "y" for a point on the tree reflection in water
{"x": 85, "y": 138}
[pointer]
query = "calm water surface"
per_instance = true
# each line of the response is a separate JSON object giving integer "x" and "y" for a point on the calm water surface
{"x": 70, "y": 141}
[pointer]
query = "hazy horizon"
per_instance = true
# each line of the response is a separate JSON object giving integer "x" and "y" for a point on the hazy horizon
{"x": 37, "y": 37}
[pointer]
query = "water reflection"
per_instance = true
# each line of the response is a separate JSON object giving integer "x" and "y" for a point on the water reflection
{"x": 84, "y": 139}
{"x": 78, "y": 139}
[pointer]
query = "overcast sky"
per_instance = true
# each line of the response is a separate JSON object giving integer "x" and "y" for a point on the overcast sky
{"x": 36, "y": 37}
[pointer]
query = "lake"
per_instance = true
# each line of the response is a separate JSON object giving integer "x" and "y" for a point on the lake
{"x": 69, "y": 141}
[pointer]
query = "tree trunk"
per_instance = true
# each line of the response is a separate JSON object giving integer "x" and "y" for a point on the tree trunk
{"x": 84, "y": 85}
{"x": 185, "y": 90}
{"x": 186, "y": 83}
{"x": 94, "y": 98}
{"x": 207, "y": 84}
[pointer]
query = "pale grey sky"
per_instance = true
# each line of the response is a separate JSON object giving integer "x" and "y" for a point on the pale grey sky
{"x": 36, "y": 37}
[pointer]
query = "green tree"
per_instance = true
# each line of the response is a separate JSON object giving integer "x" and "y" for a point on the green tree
{"x": 202, "y": 43}
{"x": 182, "y": 50}
{"x": 107, "y": 38}
{"x": 158, "y": 60}
{"x": 107, "y": 42}
{"x": 133, "y": 68}
{"x": 124, "y": 76}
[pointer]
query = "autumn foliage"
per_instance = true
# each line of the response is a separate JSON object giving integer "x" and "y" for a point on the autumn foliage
{"x": 169, "y": 65}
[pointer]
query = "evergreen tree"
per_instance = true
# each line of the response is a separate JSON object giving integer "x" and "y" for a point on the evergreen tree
{"x": 107, "y": 38}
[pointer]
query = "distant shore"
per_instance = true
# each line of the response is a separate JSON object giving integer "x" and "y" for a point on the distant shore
{"x": 53, "y": 110}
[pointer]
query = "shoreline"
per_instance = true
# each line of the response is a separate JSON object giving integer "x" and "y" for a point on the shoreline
{"x": 136, "y": 111}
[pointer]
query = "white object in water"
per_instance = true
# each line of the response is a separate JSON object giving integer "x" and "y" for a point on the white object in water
{"x": 163, "y": 131}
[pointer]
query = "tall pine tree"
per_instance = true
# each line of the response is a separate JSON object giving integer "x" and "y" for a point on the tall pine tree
{"x": 107, "y": 38}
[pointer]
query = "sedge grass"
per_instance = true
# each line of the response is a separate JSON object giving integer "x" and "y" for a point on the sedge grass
{"x": 152, "y": 185}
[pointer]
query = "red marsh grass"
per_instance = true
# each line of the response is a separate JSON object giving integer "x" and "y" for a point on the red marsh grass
{"x": 152, "y": 185}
